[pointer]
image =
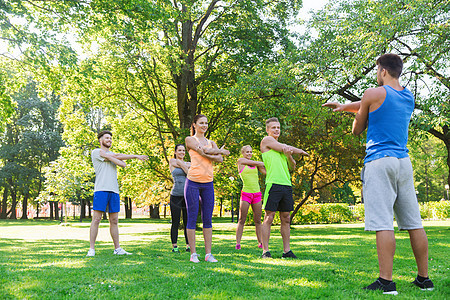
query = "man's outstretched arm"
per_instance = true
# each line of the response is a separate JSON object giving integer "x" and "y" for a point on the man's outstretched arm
{"x": 349, "y": 107}
{"x": 111, "y": 157}
{"x": 130, "y": 156}
{"x": 271, "y": 143}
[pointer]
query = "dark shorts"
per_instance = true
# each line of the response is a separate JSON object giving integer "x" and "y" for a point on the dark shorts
{"x": 106, "y": 201}
{"x": 278, "y": 197}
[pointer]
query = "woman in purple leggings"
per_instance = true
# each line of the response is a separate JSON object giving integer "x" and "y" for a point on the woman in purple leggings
{"x": 199, "y": 187}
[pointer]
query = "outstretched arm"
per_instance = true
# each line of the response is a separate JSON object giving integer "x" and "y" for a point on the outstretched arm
{"x": 271, "y": 143}
{"x": 249, "y": 162}
{"x": 130, "y": 156}
{"x": 349, "y": 107}
{"x": 288, "y": 151}
{"x": 111, "y": 157}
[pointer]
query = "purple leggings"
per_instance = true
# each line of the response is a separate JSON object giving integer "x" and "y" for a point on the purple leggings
{"x": 197, "y": 193}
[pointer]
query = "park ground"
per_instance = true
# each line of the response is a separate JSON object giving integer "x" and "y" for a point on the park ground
{"x": 44, "y": 260}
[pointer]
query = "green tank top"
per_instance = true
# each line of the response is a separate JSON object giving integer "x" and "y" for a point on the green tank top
{"x": 277, "y": 167}
{"x": 249, "y": 176}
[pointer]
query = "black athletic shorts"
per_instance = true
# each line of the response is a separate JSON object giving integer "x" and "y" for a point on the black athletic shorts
{"x": 278, "y": 197}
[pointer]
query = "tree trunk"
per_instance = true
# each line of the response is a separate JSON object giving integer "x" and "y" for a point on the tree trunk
{"x": 82, "y": 210}
{"x": 25, "y": 207}
{"x": 89, "y": 208}
{"x": 128, "y": 208}
{"x": 105, "y": 217}
{"x": 37, "y": 210}
{"x": 4, "y": 206}
{"x": 55, "y": 205}
{"x": 50, "y": 204}
{"x": 154, "y": 211}
{"x": 13, "y": 204}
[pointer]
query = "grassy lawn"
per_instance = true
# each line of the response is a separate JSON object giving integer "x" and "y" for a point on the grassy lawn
{"x": 43, "y": 260}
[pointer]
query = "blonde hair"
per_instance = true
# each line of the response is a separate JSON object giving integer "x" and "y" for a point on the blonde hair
{"x": 245, "y": 147}
{"x": 270, "y": 120}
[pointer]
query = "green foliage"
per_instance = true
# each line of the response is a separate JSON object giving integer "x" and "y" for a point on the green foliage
{"x": 339, "y": 62}
{"x": 30, "y": 142}
{"x": 436, "y": 210}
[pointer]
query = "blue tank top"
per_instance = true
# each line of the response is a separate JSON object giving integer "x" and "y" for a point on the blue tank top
{"x": 387, "y": 131}
{"x": 179, "y": 179}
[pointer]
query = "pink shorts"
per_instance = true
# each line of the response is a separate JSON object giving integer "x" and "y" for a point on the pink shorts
{"x": 251, "y": 198}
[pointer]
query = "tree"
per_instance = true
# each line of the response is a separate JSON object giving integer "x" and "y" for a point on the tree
{"x": 31, "y": 140}
{"x": 339, "y": 63}
{"x": 335, "y": 155}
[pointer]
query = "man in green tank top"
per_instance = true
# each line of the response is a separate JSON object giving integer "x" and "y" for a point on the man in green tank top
{"x": 279, "y": 162}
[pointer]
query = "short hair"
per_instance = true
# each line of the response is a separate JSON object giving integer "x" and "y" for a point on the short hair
{"x": 102, "y": 133}
{"x": 392, "y": 63}
{"x": 245, "y": 147}
{"x": 176, "y": 147}
{"x": 270, "y": 120}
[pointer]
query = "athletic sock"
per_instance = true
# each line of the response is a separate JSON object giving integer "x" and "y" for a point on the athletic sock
{"x": 421, "y": 279}
{"x": 384, "y": 281}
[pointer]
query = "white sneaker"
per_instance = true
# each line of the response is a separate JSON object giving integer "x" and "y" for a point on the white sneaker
{"x": 91, "y": 252}
{"x": 194, "y": 258}
{"x": 210, "y": 258}
{"x": 120, "y": 251}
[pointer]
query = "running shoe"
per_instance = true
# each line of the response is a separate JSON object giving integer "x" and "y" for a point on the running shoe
{"x": 120, "y": 251}
{"x": 289, "y": 254}
{"x": 176, "y": 250}
{"x": 266, "y": 255}
{"x": 188, "y": 249}
{"x": 426, "y": 285}
{"x": 91, "y": 252}
{"x": 388, "y": 289}
{"x": 238, "y": 247}
{"x": 260, "y": 245}
{"x": 194, "y": 258}
{"x": 210, "y": 258}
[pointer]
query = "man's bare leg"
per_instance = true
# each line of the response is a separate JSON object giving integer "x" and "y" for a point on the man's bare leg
{"x": 286, "y": 230}
{"x": 93, "y": 231}
{"x": 419, "y": 244}
{"x": 114, "y": 228}
{"x": 265, "y": 229}
{"x": 386, "y": 251}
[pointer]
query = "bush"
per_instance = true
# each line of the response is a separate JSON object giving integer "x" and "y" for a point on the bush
{"x": 331, "y": 213}
{"x": 435, "y": 210}
{"x": 358, "y": 212}
{"x": 335, "y": 213}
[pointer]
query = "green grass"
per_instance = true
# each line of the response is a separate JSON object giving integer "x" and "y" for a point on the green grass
{"x": 42, "y": 260}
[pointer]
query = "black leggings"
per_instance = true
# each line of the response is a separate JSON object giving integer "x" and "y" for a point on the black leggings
{"x": 177, "y": 205}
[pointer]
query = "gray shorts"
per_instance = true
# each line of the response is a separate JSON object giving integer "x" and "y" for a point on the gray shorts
{"x": 388, "y": 188}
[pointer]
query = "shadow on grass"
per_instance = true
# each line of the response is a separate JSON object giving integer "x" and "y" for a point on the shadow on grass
{"x": 333, "y": 263}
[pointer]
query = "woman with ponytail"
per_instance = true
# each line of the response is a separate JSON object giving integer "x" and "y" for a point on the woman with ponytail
{"x": 178, "y": 168}
{"x": 199, "y": 188}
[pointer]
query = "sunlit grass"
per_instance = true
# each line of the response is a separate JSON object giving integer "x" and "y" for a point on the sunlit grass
{"x": 335, "y": 261}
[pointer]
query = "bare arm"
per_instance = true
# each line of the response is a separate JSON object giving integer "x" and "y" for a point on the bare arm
{"x": 249, "y": 162}
{"x": 269, "y": 142}
{"x": 288, "y": 151}
{"x": 349, "y": 107}
{"x": 130, "y": 156}
{"x": 183, "y": 165}
{"x": 111, "y": 157}
{"x": 262, "y": 170}
{"x": 193, "y": 144}
{"x": 216, "y": 150}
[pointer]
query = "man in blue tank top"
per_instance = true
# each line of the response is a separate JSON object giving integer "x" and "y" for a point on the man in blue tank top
{"x": 388, "y": 186}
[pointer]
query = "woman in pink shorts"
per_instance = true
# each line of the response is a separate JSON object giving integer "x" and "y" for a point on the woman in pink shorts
{"x": 251, "y": 194}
